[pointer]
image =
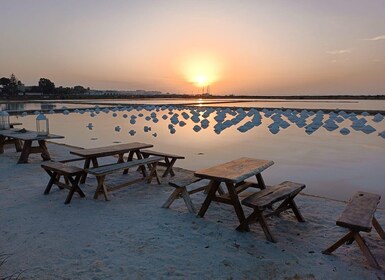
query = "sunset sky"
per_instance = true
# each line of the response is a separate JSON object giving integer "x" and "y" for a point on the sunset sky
{"x": 236, "y": 47}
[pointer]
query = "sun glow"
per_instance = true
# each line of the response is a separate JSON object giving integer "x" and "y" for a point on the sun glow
{"x": 201, "y": 70}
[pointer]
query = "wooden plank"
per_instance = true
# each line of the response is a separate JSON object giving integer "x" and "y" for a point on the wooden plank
{"x": 27, "y": 135}
{"x": 358, "y": 214}
{"x": 111, "y": 150}
{"x": 270, "y": 195}
{"x": 62, "y": 168}
{"x": 235, "y": 171}
{"x": 110, "y": 168}
{"x": 184, "y": 180}
{"x": 161, "y": 154}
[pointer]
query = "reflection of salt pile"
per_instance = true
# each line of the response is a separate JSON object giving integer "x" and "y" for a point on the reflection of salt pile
{"x": 133, "y": 119}
{"x": 358, "y": 124}
{"x": 345, "y": 131}
{"x": 90, "y": 126}
{"x": 382, "y": 134}
{"x": 196, "y": 128}
{"x": 117, "y": 128}
{"x": 132, "y": 132}
{"x": 24, "y": 114}
{"x": 378, "y": 117}
{"x": 51, "y": 112}
{"x": 330, "y": 125}
{"x": 146, "y": 128}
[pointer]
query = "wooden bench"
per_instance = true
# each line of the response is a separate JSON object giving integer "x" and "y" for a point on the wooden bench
{"x": 264, "y": 199}
{"x": 359, "y": 216}
{"x": 71, "y": 174}
{"x": 169, "y": 160}
{"x": 101, "y": 172}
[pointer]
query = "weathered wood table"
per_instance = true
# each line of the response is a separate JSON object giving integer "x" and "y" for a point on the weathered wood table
{"x": 28, "y": 137}
{"x": 233, "y": 174}
{"x": 92, "y": 155}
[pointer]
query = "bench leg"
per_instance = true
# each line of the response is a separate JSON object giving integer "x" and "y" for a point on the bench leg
{"x": 53, "y": 179}
{"x": 169, "y": 165}
{"x": 341, "y": 241}
{"x": 101, "y": 188}
{"x": 153, "y": 173}
{"x": 74, "y": 187}
{"x": 365, "y": 250}
{"x": 265, "y": 227}
{"x": 378, "y": 228}
{"x": 187, "y": 200}
{"x": 175, "y": 194}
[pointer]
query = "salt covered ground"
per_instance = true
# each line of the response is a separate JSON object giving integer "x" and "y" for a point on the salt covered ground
{"x": 132, "y": 237}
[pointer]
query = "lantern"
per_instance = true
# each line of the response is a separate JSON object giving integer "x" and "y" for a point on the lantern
{"x": 42, "y": 125}
{"x": 4, "y": 120}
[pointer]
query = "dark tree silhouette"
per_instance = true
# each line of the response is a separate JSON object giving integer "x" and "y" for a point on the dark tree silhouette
{"x": 46, "y": 86}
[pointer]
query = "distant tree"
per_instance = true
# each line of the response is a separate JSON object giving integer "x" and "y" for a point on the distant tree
{"x": 46, "y": 86}
{"x": 9, "y": 85}
{"x": 4, "y": 81}
{"x": 63, "y": 90}
{"x": 79, "y": 90}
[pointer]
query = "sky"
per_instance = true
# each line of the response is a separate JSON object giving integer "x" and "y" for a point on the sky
{"x": 302, "y": 47}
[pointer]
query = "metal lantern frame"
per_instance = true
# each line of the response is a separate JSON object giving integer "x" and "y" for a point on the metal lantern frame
{"x": 4, "y": 120}
{"x": 42, "y": 125}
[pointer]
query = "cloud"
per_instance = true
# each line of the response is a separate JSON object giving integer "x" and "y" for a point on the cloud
{"x": 339, "y": 51}
{"x": 377, "y": 38}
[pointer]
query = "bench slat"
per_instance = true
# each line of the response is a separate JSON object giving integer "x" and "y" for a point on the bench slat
{"x": 110, "y": 168}
{"x": 270, "y": 195}
{"x": 184, "y": 180}
{"x": 62, "y": 168}
{"x": 155, "y": 153}
{"x": 358, "y": 214}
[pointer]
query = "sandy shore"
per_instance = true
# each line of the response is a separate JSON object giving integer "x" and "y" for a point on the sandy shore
{"x": 132, "y": 237}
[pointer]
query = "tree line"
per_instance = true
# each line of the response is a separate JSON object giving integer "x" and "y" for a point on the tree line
{"x": 12, "y": 86}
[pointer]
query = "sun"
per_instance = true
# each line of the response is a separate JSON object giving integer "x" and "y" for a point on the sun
{"x": 201, "y": 80}
{"x": 201, "y": 70}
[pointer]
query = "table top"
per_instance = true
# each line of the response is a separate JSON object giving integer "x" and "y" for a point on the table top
{"x": 27, "y": 135}
{"x": 111, "y": 150}
{"x": 235, "y": 171}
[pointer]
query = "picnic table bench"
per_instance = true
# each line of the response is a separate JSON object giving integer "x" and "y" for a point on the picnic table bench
{"x": 233, "y": 174}
{"x": 92, "y": 155}
{"x": 101, "y": 172}
{"x": 71, "y": 175}
{"x": 359, "y": 216}
{"x": 169, "y": 160}
{"x": 28, "y": 137}
{"x": 264, "y": 199}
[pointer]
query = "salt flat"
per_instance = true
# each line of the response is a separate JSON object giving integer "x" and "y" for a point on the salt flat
{"x": 132, "y": 237}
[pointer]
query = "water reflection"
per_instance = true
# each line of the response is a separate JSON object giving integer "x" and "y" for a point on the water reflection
{"x": 334, "y": 153}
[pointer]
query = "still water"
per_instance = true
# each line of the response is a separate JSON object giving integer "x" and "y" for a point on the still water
{"x": 333, "y": 154}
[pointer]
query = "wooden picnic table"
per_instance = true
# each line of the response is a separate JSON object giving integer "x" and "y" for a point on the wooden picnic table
{"x": 92, "y": 155}
{"x": 28, "y": 137}
{"x": 233, "y": 174}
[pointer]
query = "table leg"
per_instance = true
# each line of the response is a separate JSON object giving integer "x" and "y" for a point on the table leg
{"x": 237, "y": 205}
{"x": 142, "y": 167}
{"x": 169, "y": 165}
{"x": 261, "y": 182}
{"x": 18, "y": 145}
{"x": 2, "y": 142}
{"x": 129, "y": 158}
{"x": 213, "y": 187}
{"x": 44, "y": 150}
{"x": 25, "y": 151}
{"x": 86, "y": 166}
